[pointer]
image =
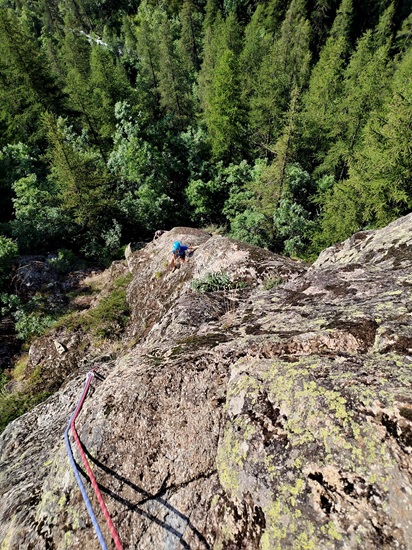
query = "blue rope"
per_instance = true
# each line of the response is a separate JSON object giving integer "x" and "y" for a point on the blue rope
{"x": 82, "y": 487}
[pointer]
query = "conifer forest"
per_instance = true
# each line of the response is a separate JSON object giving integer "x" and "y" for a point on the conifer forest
{"x": 283, "y": 123}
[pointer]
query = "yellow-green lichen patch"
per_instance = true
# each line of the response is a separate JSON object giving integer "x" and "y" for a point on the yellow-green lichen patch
{"x": 285, "y": 525}
{"x": 320, "y": 417}
{"x": 6, "y": 542}
{"x": 68, "y": 539}
{"x": 331, "y": 530}
{"x": 284, "y": 416}
{"x": 229, "y": 462}
{"x": 393, "y": 293}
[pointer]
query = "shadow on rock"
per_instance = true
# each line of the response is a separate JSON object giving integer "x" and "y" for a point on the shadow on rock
{"x": 145, "y": 497}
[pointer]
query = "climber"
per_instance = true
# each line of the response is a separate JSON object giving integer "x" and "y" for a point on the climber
{"x": 179, "y": 252}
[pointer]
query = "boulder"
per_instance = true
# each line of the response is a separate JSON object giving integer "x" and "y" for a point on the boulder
{"x": 239, "y": 419}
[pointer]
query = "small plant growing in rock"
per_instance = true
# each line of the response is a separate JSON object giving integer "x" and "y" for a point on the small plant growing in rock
{"x": 213, "y": 282}
{"x": 272, "y": 282}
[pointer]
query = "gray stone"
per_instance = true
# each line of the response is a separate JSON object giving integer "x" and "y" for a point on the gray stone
{"x": 238, "y": 419}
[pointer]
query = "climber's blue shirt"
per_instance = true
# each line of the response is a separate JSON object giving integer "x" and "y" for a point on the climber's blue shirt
{"x": 181, "y": 250}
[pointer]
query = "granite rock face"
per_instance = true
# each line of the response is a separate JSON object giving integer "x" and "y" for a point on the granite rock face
{"x": 235, "y": 419}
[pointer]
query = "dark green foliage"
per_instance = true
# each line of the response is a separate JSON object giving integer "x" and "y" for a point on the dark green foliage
{"x": 213, "y": 282}
{"x": 39, "y": 221}
{"x": 66, "y": 261}
{"x": 8, "y": 253}
{"x": 13, "y": 405}
{"x": 28, "y": 86}
{"x": 108, "y": 319}
{"x": 272, "y": 282}
{"x": 208, "y": 198}
{"x": 379, "y": 185}
{"x": 117, "y": 119}
{"x": 15, "y": 163}
{"x": 32, "y": 318}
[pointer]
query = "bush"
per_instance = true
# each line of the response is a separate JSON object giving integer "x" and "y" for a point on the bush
{"x": 29, "y": 318}
{"x": 13, "y": 405}
{"x": 108, "y": 319}
{"x": 31, "y": 324}
{"x": 272, "y": 282}
{"x": 110, "y": 316}
{"x": 212, "y": 282}
{"x": 65, "y": 262}
{"x": 8, "y": 253}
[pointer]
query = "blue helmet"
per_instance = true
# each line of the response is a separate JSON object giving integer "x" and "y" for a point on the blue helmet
{"x": 176, "y": 246}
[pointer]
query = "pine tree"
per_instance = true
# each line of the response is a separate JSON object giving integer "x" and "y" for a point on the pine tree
{"x": 109, "y": 85}
{"x": 27, "y": 85}
{"x": 224, "y": 112}
{"x": 148, "y": 23}
{"x": 213, "y": 43}
{"x": 275, "y": 11}
{"x": 257, "y": 42}
{"x": 365, "y": 85}
{"x": 190, "y": 36}
{"x": 325, "y": 88}
{"x": 173, "y": 81}
{"x": 379, "y": 185}
{"x": 80, "y": 92}
{"x": 285, "y": 67}
{"x": 77, "y": 171}
{"x": 320, "y": 19}
{"x": 271, "y": 186}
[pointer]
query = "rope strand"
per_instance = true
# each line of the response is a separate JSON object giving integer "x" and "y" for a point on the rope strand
{"x": 93, "y": 481}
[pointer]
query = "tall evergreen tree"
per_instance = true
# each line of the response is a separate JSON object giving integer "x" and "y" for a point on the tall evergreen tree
{"x": 364, "y": 88}
{"x": 285, "y": 67}
{"x": 325, "y": 88}
{"x": 224, "y": 113}
{"x": 27, "y": 85}
{"x": 271, "y": 185}
{"x": 148, "y": 21}
{"x": 190, "y": 38}
{"x": 109, "y": 84}
{"x": 275, "y": 11}
{"x": 379, "y": 186}
{"x": 173, "y": 81}
{"x": 257, "y": 42}
{"x": 85, "y": 190}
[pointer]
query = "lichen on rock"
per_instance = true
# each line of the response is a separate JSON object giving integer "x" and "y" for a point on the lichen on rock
{"x": 266, "y": 417}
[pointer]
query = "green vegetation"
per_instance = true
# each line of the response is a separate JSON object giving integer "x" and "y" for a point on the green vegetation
{"x": 31, "y": 318}
{"x": 14, "y": 404}
{"x": 8, "y": 253}
{"x": 272, "y": 282}
{"x": 285, "y": 123}
{"x": 213, "y": 282}
{"x": 107, "y": 320}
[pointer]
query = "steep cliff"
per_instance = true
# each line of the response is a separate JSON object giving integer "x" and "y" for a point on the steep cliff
{"x": 276, "y": 413}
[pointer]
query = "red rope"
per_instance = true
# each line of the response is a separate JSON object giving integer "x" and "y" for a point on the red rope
{"x": 93, "y": 481}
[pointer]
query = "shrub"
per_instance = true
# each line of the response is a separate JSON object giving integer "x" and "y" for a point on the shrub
{"x": 110, "y": 316}
{"x": 30, "y": 321}
{"x": 272, "y": 282}
{"x": 66, "y": 261}
{"x": 108, "y": 319}
{"x": 8, "y": 253}
{"x": 13, "y": 405}
{"x": 213, "y": 282}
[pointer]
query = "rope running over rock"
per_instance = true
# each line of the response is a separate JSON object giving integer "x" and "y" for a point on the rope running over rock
{"x": 93, "y": 481}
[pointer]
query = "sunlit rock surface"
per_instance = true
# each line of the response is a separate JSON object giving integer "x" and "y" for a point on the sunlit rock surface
{"x": 235, "y": 419}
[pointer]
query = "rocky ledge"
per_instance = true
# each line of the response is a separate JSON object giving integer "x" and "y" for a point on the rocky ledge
{"x": 276, "y": 413}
